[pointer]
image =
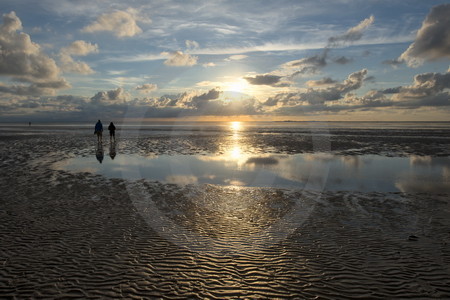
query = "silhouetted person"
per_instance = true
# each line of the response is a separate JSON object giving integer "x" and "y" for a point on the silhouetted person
{"x": 98, "y": 131}
{"x": 99, "y": 152}
{"x": 112, "y": 150}
{"x": 29, "y": 123}
{"x": 112, "y": 131}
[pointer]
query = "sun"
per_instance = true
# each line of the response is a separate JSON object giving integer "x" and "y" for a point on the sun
{"x": 238, "y": 86}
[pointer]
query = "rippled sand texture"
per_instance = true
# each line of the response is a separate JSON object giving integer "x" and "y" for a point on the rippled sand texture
{"x": 80, "y": 235}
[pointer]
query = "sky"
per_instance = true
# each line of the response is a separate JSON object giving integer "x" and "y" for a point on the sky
{"x": 345, "y": 60}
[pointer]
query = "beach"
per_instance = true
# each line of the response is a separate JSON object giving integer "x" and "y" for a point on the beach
{"x": 275, "y": 210}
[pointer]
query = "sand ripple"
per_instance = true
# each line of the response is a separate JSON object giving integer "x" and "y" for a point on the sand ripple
{"x": 68, "y": 235}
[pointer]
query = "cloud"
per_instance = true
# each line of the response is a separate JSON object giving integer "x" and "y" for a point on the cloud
{"x": 433, "y": 38}
{"x": 353, "y": 34}
{"x": 342, "y": 60}
{"x": 236, "y": 57}
{"x": 428, "y": 89}
{"x": 319, "y": 96}
{"x": 147, "y": 88}
{"x": 308, "y": 65}
{"x": 22, "y": 60}
{"x": 313, "y": 64}
{"x": 179, "y": 59}
{"x": 393, "y": 90}
{"x": 321, "y": 82}
{"x": 324, "y": 95}
{"x": 201, "y": 104}
{"x": 113, "y": 96}
{"x": 120, "y": 23}
{"x": 267, "y": 79}
{"x": 197, "y": 101}
{"x": 208, "y": 65}
{"x": 78, "y": 48}
{"x": 192, "y": 44}
{"x": 393, "y": 62}
{"x": 34, "y": 89}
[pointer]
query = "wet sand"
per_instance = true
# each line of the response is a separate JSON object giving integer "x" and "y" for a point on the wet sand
{"x": 81, "y": 235}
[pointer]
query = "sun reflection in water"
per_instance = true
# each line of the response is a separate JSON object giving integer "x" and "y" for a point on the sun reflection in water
{"x": 236, "y": 153}
{"x": 236, "y": 126}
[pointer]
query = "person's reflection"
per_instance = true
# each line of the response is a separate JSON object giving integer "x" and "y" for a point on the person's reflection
{"x": 112, "y": 149}
{"x": 99, "y": 152}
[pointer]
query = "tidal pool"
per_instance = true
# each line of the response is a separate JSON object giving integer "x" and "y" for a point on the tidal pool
{"x": 319, "y": 171}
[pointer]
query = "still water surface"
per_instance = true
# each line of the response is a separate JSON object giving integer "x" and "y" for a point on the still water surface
{"x": 318, "y": 171}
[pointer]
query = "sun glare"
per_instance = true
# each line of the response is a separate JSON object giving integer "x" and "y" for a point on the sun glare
{"x": 236, "y": 126}
{"x": 239, "y": 86}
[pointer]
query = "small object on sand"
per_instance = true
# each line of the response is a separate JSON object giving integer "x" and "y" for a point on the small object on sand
{"x": 412, "y": 238}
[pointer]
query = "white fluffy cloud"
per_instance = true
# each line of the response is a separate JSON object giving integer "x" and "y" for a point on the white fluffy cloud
{"x": 120, "y": 23}
{"x": 118, "y": 95}
{"x": 147, "y": 88}
{"x": 79, "y": 48}
{"x": 433, "y": 38}
{"x": 22, "y": 60}
{"x": 179, "y": 59}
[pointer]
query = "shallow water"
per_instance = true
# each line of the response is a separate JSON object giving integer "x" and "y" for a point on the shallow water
{"x": 319, "y": 171}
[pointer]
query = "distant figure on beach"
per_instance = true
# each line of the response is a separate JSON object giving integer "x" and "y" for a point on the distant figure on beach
{"x": 99, "y": 152}
{"x": 98, "y": 131}
{"x": 29, "y": 123}
{"x": 112, "y": 132}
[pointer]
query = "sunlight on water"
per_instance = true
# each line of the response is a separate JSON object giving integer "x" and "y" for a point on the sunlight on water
{"x": 297, "y": 171}
{"x": 236, "y": 127}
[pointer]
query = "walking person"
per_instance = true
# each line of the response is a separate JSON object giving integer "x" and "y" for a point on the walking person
{"x": 112, "y": 132}
{"x": 99, "y": 131}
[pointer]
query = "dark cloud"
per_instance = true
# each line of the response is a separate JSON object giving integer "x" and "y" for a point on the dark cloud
{"x": 427, "y": 84}
{"x": 267, "y": 79}
{"x": 320, "y": 82}
{"x": 342, "y": 60}
{"x": 203, "y": 99}
{"x": 433, "y": 38}
{"x": 393, "y": 90}
{"x": 428, "y": 89}
{"x": 35, "y": 89}
{"x": 308, "y": 65}
{"x": 393, "y": 62}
